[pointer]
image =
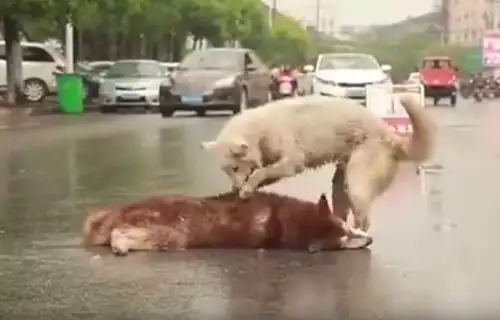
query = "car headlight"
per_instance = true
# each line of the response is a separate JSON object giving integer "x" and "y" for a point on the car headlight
{"x": 225, "y": 82}
{"x": 385, "y": 80}
{"x": 325, "y": 82}
{"x": 107, "y": 88}
{"x": 168, "y": 82}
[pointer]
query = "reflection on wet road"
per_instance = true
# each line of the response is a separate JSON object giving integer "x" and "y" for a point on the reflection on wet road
{"x": 434, "y": 257}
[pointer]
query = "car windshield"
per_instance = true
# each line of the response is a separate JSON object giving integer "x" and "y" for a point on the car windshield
{"x": 347, "y": 62}
{"x": 100, "y": 67}
{"x": 212, "y": 59}
{"x": 436, "y": 64}
{"x": 83, "y": 67}
{"x": 136, "y": 69}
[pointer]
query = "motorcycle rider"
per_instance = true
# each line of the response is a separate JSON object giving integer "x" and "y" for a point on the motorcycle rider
{"x": 284, "y": 70}
{"x": 479, "y": 83}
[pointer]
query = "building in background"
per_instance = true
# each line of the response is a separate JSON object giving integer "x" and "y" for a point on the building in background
{"x": 350, "y": 32}
{"x": 467, "y": 21}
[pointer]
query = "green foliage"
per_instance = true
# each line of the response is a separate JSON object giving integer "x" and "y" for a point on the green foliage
{"x": 287, "y": 43}
{"x": 405, "y": 53}
{"x": 162, "y": 23}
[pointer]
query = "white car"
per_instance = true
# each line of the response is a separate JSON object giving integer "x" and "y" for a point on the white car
{"x": 100, "y": 67}
{"x": 40, "y": 63}
{"x": 347, "y": 74}
{"x": 414, "y": 78}
{"x": 170, "y": 66}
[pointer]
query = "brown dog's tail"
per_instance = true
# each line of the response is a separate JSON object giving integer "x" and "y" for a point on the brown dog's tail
{"x": 420, "y": 146}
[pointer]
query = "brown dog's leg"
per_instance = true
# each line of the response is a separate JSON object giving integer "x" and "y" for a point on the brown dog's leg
{"x": 127, "y": 238}
{"x": 340, "y": 198}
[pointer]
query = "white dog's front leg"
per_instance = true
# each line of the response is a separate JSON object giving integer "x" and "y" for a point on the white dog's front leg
{"x": 281, "y": 169}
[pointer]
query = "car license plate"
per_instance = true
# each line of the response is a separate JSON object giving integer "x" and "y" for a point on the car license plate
{"x": 285, "y": 88}
{"x": 357, "y": 92}
{"x": 192, "y": 99}
{"x": 130, "y": 96}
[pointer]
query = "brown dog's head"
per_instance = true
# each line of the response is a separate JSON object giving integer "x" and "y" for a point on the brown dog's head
{"x": 326, "y": 221}
{"x": 98, "y": 226}
{"x": 334, "y": 233}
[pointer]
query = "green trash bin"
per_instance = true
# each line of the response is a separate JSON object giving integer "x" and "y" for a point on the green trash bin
{"x": 70, "y": 92}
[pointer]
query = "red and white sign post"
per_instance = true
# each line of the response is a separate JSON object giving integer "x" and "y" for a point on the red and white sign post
{"x": 383, "y": 101}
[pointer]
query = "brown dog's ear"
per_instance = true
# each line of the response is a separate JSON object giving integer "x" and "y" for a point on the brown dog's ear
{"x": 323, "y": 206}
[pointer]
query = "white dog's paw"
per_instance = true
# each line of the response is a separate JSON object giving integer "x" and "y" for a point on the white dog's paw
{"x": 355, "y": 243}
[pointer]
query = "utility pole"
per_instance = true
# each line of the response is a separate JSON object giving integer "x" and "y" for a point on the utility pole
{"x": 272, "y": 14}
{"x": 318, "y": 6}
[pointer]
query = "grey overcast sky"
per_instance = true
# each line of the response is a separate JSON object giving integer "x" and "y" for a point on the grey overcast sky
{"x": 356, "y": 12}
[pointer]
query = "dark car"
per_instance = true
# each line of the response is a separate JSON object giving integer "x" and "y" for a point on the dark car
{"x": 216, "y": 79}
{"x": 91, "y": 80}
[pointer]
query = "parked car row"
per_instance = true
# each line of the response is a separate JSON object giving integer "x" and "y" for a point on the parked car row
{"x": 212, "y": 79}
{"x": 42, "y": 62}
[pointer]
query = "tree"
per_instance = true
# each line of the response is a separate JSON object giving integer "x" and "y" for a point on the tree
{"x": 114, "y": 29}
{"x": 15, "y": 12}
{"x": 288, "y": 42}
{"x": 406, "y": 52}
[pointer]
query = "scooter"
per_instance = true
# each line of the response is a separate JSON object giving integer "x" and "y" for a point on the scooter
{"x": 287, "y": 86}
{"x": 478, "y": 94}
{"x": 466, "y": 89}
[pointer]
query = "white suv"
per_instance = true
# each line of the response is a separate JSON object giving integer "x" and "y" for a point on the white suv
{"x": 40, "y": 63}
{"x": 347, "y": 74}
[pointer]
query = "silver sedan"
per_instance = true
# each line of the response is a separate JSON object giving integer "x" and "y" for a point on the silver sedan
{"x": 131, "y": 84}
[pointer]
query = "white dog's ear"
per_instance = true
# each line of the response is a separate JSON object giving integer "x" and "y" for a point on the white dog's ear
{"x": 208, "y": 145}
{"x": 240, "y": 148}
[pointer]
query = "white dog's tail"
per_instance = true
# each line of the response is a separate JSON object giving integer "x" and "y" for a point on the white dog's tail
{"x": 420, "y": 146}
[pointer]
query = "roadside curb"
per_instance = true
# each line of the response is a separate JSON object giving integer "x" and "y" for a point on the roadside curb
{"x": 36, "y": 110}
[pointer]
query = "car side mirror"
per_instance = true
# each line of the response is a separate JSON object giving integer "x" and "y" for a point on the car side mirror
{"x": 308, "y": 68}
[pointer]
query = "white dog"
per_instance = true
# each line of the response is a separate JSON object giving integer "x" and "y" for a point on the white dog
{"x": 282, "y": 138}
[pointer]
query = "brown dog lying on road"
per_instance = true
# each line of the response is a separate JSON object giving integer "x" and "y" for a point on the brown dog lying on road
{"x": 266, "y": 221}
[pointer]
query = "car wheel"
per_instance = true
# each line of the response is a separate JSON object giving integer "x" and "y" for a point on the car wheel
{"x": 453, "y": 100}
{"x": 107, "y": 109}
{"x": 269, "y": 97}
{"x": 85, "y": 92}
{"x": 167, "y": 113}
{"x": 243, "y": 102}
{"x": 35, "y": 90}
{"x": 201, "y": 112}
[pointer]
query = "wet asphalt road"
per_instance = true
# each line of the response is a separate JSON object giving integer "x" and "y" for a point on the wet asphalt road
{"x": 434, "y": 256}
